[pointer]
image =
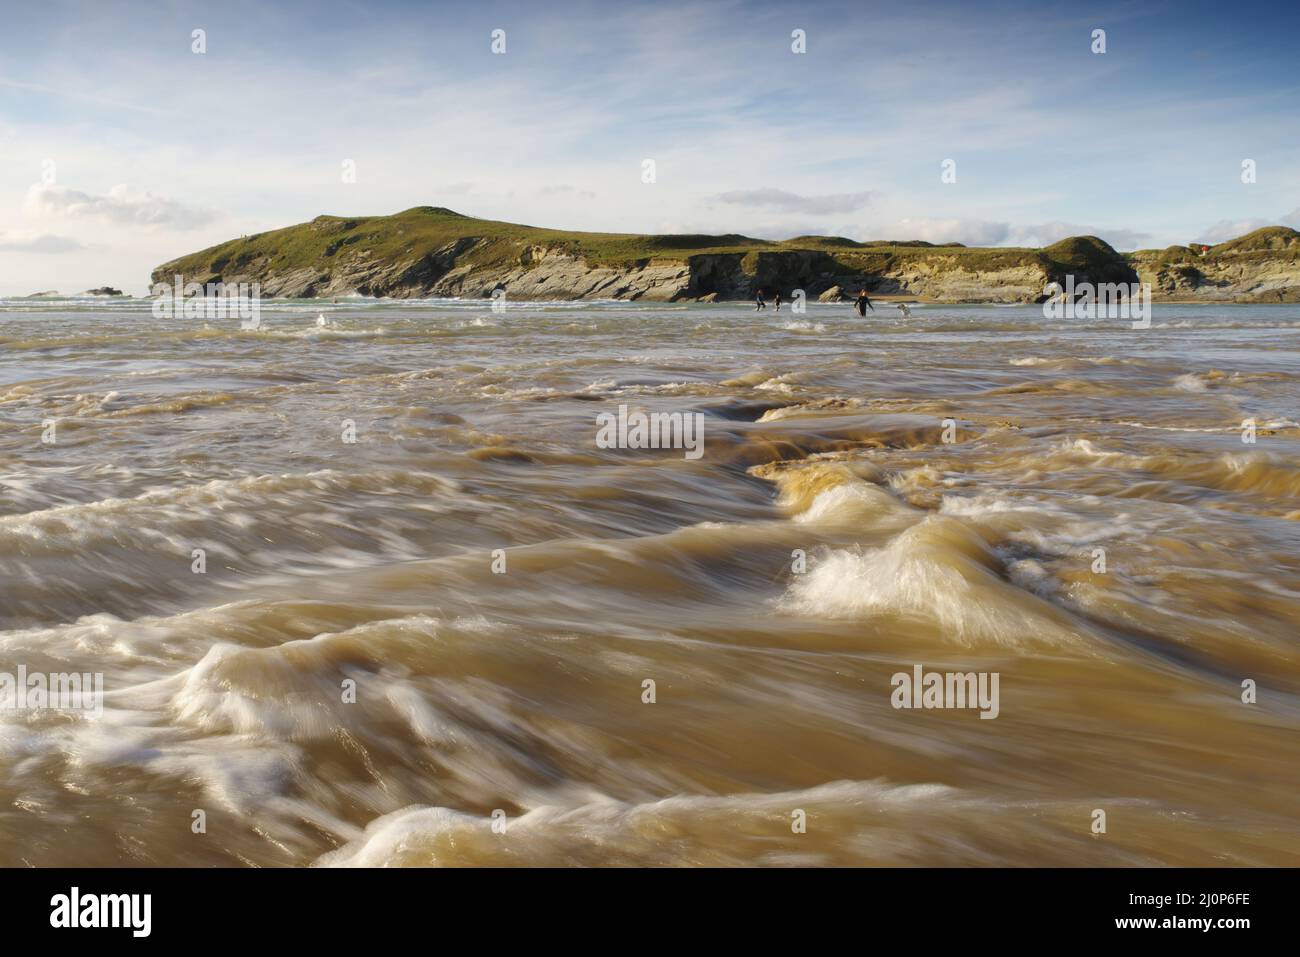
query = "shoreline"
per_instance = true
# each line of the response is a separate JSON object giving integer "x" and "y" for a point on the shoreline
{"x": 17, "y": 300}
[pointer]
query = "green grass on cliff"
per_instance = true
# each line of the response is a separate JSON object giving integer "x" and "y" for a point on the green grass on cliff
{"x": 1270, "y": 242}
{"x": 427, "y": 229}
{"x": 424, "y": 230}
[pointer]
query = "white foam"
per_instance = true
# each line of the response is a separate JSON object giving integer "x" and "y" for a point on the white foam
{"x": 726, "y": 829}
{"x": 937, "y": 571}
{"x": 850, "y": 501}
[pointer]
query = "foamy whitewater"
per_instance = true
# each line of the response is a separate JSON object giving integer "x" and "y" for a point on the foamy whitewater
{"x": 431, "y": 645}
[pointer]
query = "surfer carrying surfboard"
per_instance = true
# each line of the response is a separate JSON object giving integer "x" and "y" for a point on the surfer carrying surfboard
{"x": 863, "y": 303}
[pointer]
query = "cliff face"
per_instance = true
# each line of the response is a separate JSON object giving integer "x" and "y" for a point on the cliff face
{"x": 1263, "y": 266}
{"x": 429, "y": 252}
{"x": 448, "y": 271}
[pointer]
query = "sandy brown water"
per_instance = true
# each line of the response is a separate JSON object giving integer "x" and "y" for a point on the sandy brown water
{"x": 370, "y": 565}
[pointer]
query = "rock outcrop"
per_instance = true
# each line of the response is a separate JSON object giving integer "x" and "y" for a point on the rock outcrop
{"x": 1263, "y": 266}
{"x": 431, "y": 252}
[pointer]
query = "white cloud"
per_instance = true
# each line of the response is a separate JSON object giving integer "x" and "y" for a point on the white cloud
{"x": 971, "y": 232}
{"x": 120, "y": 207}
{"x": 563, "y": 189}
{"x": 1226, "y": 229}
{"x": 780, "y": 199}
{"x": 1044, "y": 234}
{"x": 12, "y": 242}
{"x": 711, "y": 120}
{"x": 980, "y": 232}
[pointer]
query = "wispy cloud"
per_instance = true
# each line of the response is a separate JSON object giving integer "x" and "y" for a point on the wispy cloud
{"x": 1044, "y": 234}
{"x": 979, "y": 232}
{"x": 120, "y": 206}
{"x": 85, "y": 96}
{"x": 972, "y": 232}
{"x": 1226, "y": 229}
{"x": 41, "y": 243}
{"x": 748, "y": 135}
{"x": 780, "y": 199}
{"x": 562, "y": 189}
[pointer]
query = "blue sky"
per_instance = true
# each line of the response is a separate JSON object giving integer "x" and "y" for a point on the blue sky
{"x": 122, "y": 148}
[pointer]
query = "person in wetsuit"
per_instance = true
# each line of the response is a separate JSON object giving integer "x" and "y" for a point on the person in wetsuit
{"x": 759, "y": 303}
{"x": 863, "y": 303}
{"x": 777, "y": 299}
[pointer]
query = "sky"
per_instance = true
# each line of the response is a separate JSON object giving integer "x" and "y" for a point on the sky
{"x": 122, "y": 147}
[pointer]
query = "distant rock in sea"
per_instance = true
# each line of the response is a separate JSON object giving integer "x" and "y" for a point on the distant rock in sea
{"x": 103, "y": 291}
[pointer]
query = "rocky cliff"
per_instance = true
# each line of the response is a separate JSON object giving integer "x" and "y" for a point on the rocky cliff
{"x": 1263, "y": 266}
{"x": 434, "y": 252}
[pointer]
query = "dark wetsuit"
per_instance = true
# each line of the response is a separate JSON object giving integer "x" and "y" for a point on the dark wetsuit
{"x": 863, "y": 304}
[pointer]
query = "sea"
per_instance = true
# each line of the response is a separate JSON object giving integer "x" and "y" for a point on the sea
{"x": 376, "y": 584}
